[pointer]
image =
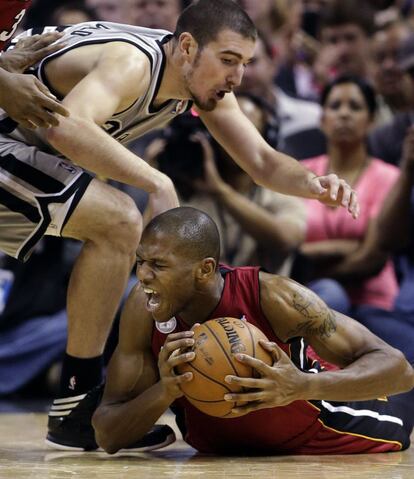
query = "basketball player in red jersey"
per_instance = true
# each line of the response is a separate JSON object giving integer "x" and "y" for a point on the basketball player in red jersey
{"x": 292, "y": 408}
{"x": 23, "y": 97}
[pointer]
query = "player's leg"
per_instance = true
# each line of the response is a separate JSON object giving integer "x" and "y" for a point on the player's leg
{"x": 362, "y": 426}
{"x": 109, "y": 224}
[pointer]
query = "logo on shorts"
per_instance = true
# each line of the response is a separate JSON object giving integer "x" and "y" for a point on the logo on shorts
{"x": 166, "y": 327}
{"x": 72, "y": 383}
{"x": 67, "y": 167}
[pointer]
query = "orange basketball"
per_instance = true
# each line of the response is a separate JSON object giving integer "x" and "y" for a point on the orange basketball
{"x": 216, "y": 341}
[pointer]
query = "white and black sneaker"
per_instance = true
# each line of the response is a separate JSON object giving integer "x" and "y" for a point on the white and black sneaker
{"x": 70, "y": 426}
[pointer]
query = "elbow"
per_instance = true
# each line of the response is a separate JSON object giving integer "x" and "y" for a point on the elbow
{"x": 103, "y": 434}
{"x": 405, "y": 373}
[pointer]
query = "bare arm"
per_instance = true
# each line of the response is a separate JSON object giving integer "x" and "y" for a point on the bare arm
{"x": 268, "y": 167}
{"x": 395, "y": 216}
{"x": 294, "y": 311}
{"x": 118, "y": 78}
{"x": 364, "y": 262}
{"x": 347, "y": 260}
{"x": 332, "y": 249}
{"x": 137, "y": 391}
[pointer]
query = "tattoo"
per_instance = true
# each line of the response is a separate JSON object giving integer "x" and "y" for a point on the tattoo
{"x": 319, "y": 319}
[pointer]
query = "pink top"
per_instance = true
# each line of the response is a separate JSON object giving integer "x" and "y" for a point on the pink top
{"x": 327, "y": 223}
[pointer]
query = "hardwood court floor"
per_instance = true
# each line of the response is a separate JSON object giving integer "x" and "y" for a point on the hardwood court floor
{"x": 24, "y": 455}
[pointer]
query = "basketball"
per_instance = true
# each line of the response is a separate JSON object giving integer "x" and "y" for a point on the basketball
{"x": 216, "y": 341}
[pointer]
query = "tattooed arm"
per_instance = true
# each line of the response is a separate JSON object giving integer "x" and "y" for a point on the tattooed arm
{"x": 370, "y": 367}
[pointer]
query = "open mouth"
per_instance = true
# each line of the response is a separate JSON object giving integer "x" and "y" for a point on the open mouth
{"x": 153, "y": 299}
{"x": 220, "y": 93}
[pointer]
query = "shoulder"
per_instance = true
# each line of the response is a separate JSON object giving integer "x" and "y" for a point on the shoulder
{"x": 136, "y": 322}
{"x": 385, "y": 171}
{"x": 289, "y": 305}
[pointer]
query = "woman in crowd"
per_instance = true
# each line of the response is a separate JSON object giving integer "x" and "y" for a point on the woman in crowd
{"x": 347, "y": 252}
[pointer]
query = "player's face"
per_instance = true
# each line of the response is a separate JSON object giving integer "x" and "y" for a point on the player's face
{"x": 218, "y": 68}
{"x": 346, "y": 117}
{"x": 166, "y": 277}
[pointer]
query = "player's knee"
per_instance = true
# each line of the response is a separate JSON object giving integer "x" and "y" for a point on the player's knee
{"x": 126, "y": 225}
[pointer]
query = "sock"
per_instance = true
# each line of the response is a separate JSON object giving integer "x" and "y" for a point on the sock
{"x": 80, "y": 375}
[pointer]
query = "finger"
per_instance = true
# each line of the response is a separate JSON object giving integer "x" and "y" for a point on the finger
{"x": 273, "y": 348}
{"x": 177, "y": 359}
{"x": 25, "y": 123}
{"x": 257, "y": 364}
{"x": 170, "y": 346}
{"x": 243, "y": 410}
{"x": 250, "y": 397}
{"x": 333, "y": 182}
{"x": 255, "y": 383}
{"x": 54, "y": 106}
{"x": 48, "y": 118}
{"x": 346, "y": 194}
{"x": 180, "y": 335}
{"x": 37, "y": 55}
{"x": 354, "y": 207}
{"x": 316, "y": 186}
{"x": 42, "y": 41}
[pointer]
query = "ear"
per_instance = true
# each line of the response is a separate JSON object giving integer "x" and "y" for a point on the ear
{"x": 188, "y": 46}
{"x": 206, "y": 269}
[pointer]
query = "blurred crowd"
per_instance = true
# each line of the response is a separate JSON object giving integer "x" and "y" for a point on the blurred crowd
{"x": 332, "y": 84}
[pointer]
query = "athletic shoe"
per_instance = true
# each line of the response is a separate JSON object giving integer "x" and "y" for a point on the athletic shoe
{"x": 70, "y": 426}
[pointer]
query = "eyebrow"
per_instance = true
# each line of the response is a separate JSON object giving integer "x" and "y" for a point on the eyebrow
{"x": 238, "y": 55}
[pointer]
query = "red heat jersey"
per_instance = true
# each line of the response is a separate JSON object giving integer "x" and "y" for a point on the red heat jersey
{"x": 275, "y": 429}
{"x": 11, "y": 14}
{"x": 302, "y": 427}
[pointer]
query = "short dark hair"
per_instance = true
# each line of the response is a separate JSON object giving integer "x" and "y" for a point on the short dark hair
{"x": 193, "y": 232}
{"x": 205, "y": 19}
{"x": 341, "y": 12}
{"x": 366, "y": 89}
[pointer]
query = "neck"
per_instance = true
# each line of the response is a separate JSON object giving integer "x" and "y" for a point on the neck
{"x": 172, "y": 85}
{"x": 204, "y": 302}
{"x": 348, "y": 163}
{"x": 346, "y": 158}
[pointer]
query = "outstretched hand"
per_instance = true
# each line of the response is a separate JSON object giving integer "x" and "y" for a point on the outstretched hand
{"x": 333, "y": 191}
{"x": 278, "y": 385}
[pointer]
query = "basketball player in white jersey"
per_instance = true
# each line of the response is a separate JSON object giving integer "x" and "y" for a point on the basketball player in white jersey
{"x": 118, "y": 82}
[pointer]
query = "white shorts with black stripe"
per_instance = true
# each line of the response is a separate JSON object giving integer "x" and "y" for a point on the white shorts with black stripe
{"x": 38, "y": 193}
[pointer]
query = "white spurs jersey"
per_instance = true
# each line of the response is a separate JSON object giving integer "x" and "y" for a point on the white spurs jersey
{"x": 140, "y": 117}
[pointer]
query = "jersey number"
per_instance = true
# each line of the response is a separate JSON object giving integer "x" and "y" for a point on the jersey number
{"x": 5, "y": 35}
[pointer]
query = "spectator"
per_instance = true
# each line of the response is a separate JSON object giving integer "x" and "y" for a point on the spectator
{"x": 116, "y": 11}
{"x": 155, "y": 13}
{"x": 336, "y": 248}
{"x": 386, "y": 141}
{"x": 299, "y": 132}
{"x": 345, "y": 32}
{"x": 394, "y": 88}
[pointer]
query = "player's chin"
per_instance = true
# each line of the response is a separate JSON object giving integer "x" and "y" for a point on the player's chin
{"x": 208, "y": 105}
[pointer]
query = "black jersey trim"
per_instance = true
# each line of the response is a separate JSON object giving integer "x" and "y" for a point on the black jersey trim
{"x": 41, "y": 69}
{"x": 30, "y": 175}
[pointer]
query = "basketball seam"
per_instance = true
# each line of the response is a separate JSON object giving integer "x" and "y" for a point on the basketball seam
{"x": 211, "y": 379}
{"x": 224, "y": 351}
